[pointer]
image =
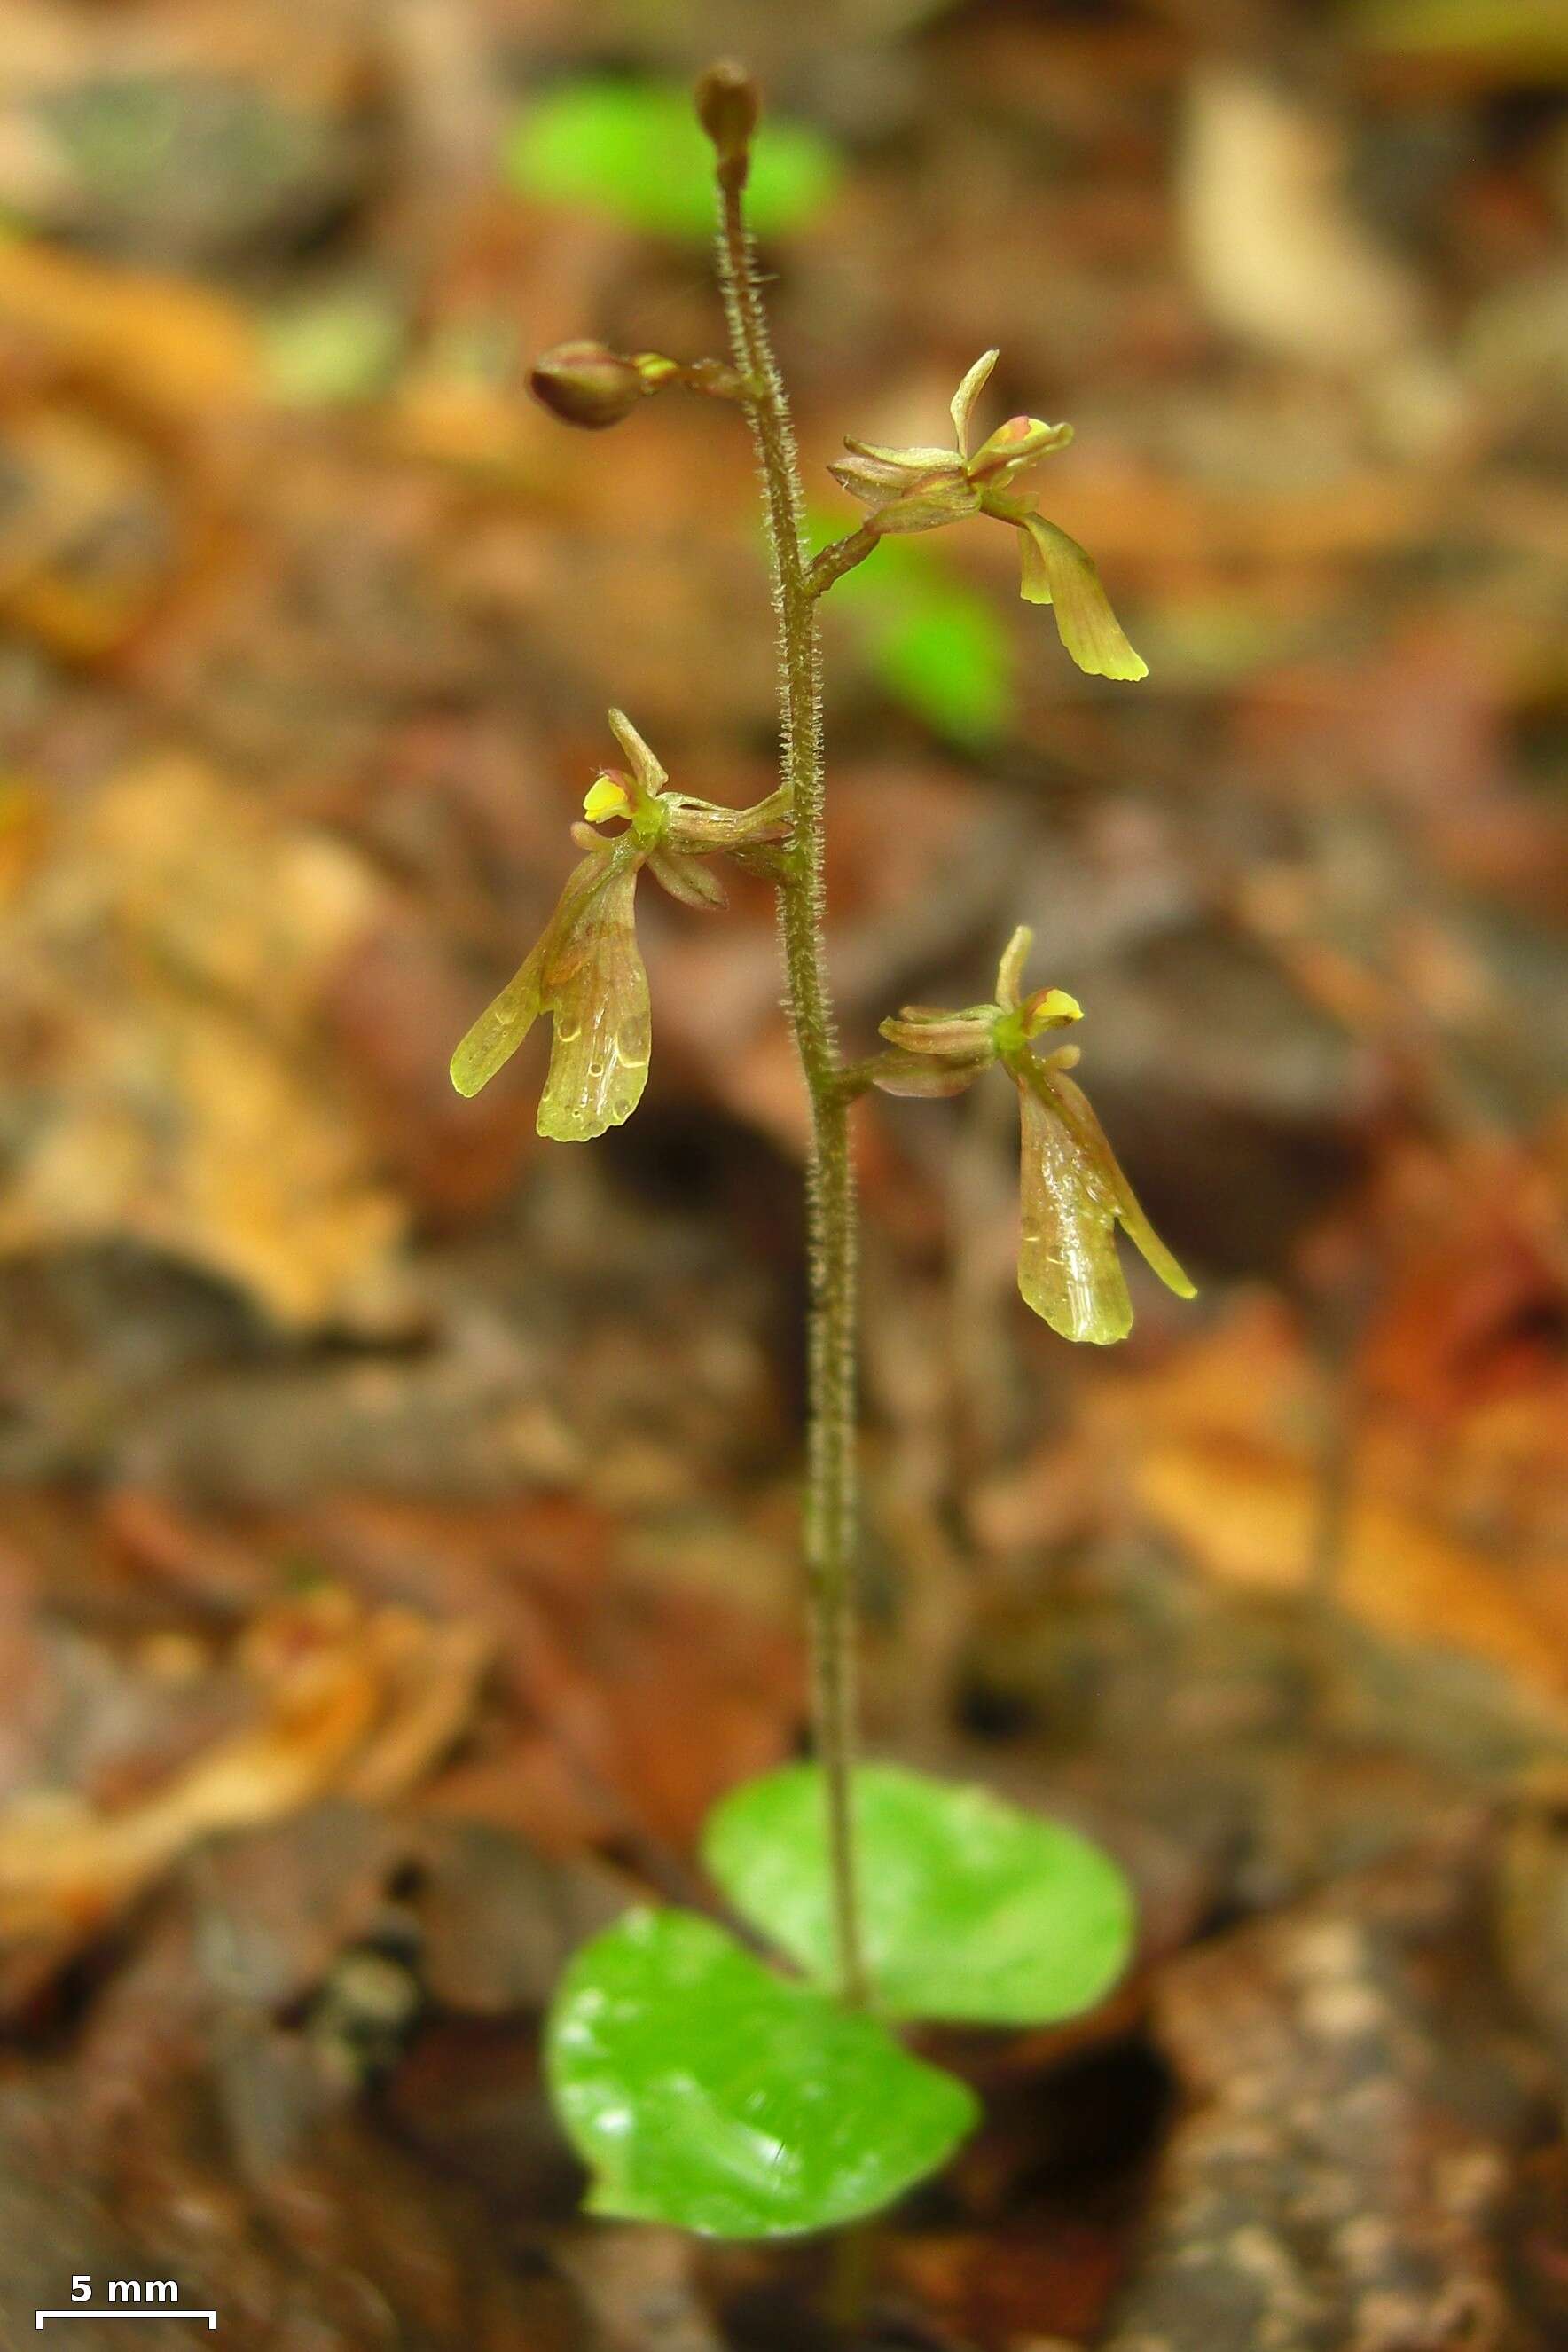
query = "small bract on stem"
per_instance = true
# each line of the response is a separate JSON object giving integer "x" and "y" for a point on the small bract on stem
{"x": 896, "y": 1893}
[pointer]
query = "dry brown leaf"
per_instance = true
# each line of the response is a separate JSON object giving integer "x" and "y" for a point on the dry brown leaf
{"x": 1271, "y": 237}
{"x": 1251, "y": 1520}
{"x": 348, "y": 1701}
{"x": 435, "y": 1674}
{"x": 169, "y": 952}
{"x": 94, "y": 532}
{"x": 162, "y": 340}
{"x": 1357, "y": 2101}
{"x": 1226, "y": 1449}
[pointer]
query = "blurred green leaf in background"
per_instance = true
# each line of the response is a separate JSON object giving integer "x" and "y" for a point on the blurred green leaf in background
{"x": 939, "y": 647}
{"x": 336, "y": 345}
{"x": 632, "y": 149}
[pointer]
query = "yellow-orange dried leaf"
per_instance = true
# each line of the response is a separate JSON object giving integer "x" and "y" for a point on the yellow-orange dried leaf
{"x": 362, "y": 1702}
{"x": 180, "y": 347}
{"x": 170, "y": 950}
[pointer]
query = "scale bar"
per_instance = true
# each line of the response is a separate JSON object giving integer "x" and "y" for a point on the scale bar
{"x": 160, "y": 2311}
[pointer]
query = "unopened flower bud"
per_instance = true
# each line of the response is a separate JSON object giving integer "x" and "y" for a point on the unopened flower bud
{"x": 728, "y": 105}
{"x": 948, "y": 1036}
{"x": 586, "y": 384}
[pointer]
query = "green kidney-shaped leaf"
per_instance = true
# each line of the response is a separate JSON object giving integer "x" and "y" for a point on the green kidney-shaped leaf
{"x": 702, "y": 2089}
{"x": 633, "y": 149}
{"x": 971, "y": 1911}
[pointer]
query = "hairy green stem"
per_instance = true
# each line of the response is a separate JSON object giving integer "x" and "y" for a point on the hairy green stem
{"x": 831, "y": 1467}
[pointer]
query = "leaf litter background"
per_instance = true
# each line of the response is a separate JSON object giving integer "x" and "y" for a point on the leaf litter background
{"x": 397, "y": 1525}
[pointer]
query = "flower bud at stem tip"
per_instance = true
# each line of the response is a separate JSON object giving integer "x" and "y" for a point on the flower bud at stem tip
{"x": 728, "y": 105}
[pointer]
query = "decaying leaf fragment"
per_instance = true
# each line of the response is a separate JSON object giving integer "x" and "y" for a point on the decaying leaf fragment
{"x": 1358, "y": 2106}
{"x": 169, "y": 950}
{"x": 360, "y": 1702}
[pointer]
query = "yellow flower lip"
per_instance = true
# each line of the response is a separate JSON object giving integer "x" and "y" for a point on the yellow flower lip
{"x": 605, "y": 797}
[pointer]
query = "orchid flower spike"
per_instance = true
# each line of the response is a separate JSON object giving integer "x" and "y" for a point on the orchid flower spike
{"x": 923, "y": 489}
{"x": 586, "y": 970}
{"x": 1073, "y": 1191}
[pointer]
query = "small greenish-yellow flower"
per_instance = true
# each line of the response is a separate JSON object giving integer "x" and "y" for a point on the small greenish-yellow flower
{"x": 1073, "y": 1191}
{"x": 923, "y": 489}
{"x": 677, "y": 830}
{"x": 586, "y": 970}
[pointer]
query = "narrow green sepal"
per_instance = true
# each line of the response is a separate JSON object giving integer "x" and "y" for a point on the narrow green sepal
{"x": 968, "y": 393}
{"x": 687, "y": 879}
{"x": 1010, "y": 969}
{"x": 950, "y": 1036}
{"x": 922, "y": 1079}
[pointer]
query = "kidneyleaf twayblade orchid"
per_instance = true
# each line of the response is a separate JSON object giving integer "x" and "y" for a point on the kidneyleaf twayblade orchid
{"x": 923, "y": 489}
{"x": 586, "y": 970}
{"x": 1073, "y": 1192}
